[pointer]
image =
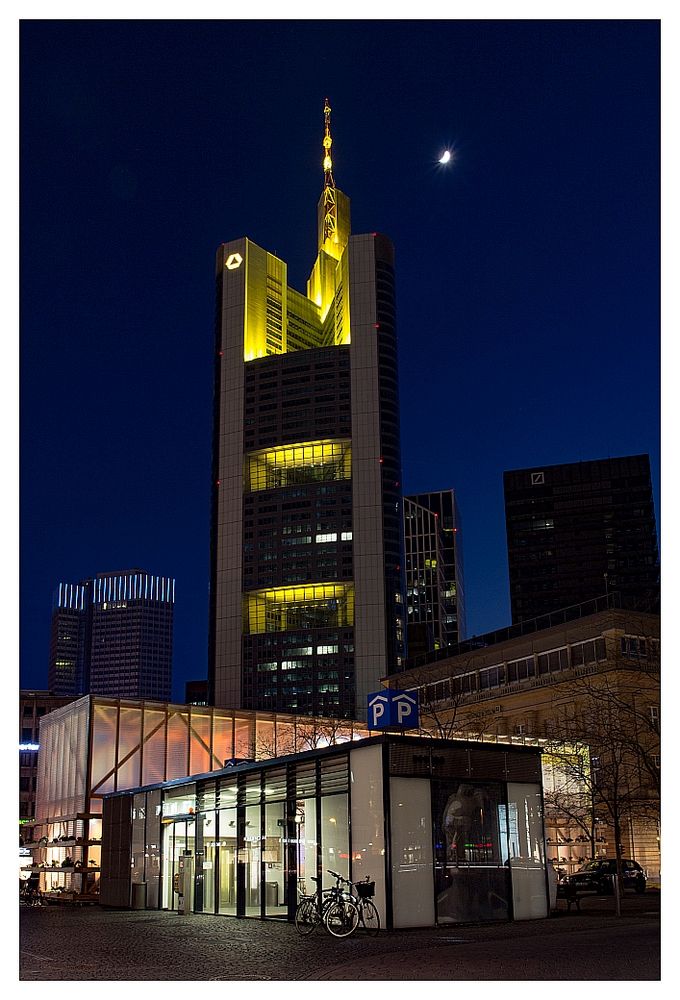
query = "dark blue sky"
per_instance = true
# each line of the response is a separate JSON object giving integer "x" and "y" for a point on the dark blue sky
{"x": 527, "y": 281}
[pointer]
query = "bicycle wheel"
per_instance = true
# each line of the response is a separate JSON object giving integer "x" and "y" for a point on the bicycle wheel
{"x": 341, "y": 918}
{"x": 370, "y": 917}
{"x": 306, "y": 917}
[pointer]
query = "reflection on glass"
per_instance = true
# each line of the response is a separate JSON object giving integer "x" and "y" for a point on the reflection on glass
{"x": 471, "y": 878}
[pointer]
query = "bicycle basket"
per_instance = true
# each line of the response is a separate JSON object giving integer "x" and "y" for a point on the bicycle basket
{"x": 365, "y": 890}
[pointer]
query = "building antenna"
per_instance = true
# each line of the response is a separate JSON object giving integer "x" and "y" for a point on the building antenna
{"x": 330, "y": 212}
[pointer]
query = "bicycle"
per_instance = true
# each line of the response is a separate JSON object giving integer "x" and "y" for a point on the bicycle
{"x": 368, "y": 912}
{"x": 335, "y": 908}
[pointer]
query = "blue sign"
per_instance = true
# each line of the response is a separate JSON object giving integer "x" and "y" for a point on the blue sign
{"x": 388, "y": 709}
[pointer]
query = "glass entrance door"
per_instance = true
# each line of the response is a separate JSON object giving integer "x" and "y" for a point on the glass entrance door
{"x": 178, "y": 837}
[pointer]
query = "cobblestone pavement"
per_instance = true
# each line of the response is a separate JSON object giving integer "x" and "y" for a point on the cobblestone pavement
{"x": 63, "y": 943}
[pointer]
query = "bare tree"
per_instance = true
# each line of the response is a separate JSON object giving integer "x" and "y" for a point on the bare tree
{"x": 610, "y": 743}
{"x": 446, "y": 710}
{"x": 304, "y": 733}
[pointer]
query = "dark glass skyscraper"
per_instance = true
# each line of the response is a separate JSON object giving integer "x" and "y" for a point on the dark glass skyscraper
{"x": 435, "y": 588}
{"x": 580, "y": 531}
{"x": 112, "y": 635}
{"x": 307, "y": 584}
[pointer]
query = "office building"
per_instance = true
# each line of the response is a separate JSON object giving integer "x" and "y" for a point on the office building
{"x": 307, "y": 576}
{"x": 112, "y": 635}
{"x": 588, "y": 675}
{"x": 580, "y": 531}
{"x": 435, "y": 591}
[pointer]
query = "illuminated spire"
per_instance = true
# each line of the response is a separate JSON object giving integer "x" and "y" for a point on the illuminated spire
{"x": 330, "y": 213}
{"x": 327, "y": 143}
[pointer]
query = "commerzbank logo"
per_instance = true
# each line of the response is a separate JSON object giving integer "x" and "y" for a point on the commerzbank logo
{"x": 233, "y": 261}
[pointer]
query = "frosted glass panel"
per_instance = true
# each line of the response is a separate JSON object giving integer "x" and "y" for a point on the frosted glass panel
{"x": 368, "y": 829}
{"x": 412, "y": 860}
{"x": 129, "y": 738}
{"x": 154, "y": 746}
{"x": 200, "y": 742}
{"x": 334, "y": 837}
{"x": 104, "y": 747}
{"x": 526, "y": 852}
{"x": 178, "y": 746}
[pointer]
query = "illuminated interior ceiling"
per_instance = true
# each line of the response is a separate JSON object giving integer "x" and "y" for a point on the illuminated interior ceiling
{"x": 306, "y": 462}
{"x": 312, "y": 605}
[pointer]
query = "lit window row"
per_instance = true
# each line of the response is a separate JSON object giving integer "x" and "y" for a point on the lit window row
{"x": 311, "y": 461}
{"x": 284, "y": 609}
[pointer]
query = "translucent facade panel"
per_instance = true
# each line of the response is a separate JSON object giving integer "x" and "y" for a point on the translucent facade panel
{"x": 153, "y": 757}
{"x": 265, "y": 739}
{"x": 368, "y": 827}
{"x": 412, "y": 857}
{"x": 104, "y": 724}
{"x": 286, "y": 738}
{"x": 199, "y": 746}
{"x": 285, "y": 609}
{"x": 222, "y": 738}
{"x": 178, "y": 746}
{"x": 309, "y": 462}
{"x": 62, "y": 762}
{"x": 334, "y": 836}
{"x": 526, "y": 851}
{"x": 244, "y": 738}
{"x": 129, "y": 748}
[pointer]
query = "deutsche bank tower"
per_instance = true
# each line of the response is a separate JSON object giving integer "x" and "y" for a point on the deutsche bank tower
{"x": 307, "y": 577}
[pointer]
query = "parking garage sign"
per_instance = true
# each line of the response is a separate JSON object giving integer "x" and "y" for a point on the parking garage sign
{"x": 393, "y": 709}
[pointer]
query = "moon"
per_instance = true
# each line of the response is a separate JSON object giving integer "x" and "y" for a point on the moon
{"x": 445, "y": 157}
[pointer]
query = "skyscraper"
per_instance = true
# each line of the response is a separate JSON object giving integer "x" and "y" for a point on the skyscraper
{"x": 307, "y": 579}
{"x": 580, "y": 531}
{"x": 435, "y": 590}
{"x": 112, "y": 635}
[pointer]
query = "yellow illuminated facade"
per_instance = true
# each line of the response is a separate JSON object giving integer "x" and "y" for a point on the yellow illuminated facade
{"x": 279, "y": 319}
{"x": 298, "y": 463}
{"x": 307, "y": 549}
{"x": 283, "y": 609}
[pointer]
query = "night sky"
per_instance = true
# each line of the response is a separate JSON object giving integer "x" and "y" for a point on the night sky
{"x": 527, "y": 269}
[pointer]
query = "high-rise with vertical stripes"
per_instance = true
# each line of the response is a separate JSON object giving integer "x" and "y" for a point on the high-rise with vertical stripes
{"x": 112, "y": 635}
{"x": 307, "y": 575}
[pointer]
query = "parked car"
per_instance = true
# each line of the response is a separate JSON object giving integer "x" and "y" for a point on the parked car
{"x": 596, "y": 877}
